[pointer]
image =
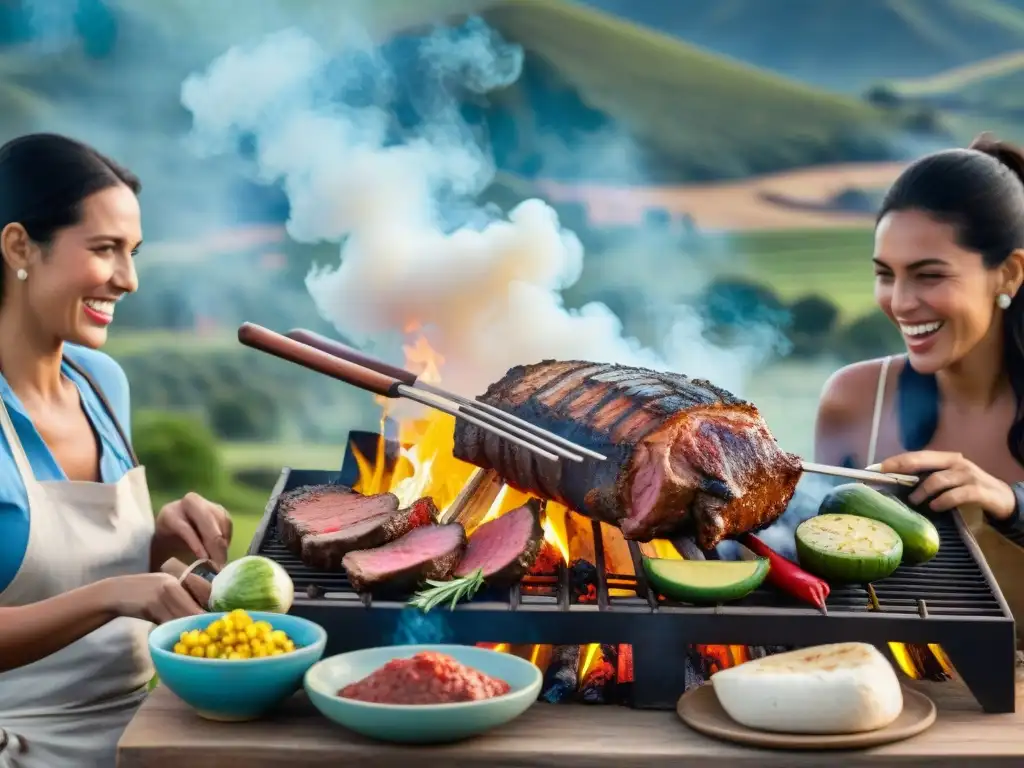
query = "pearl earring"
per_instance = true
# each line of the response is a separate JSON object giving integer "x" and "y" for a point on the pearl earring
{"x": 1003, "y": 301}
{"x": 22, "y": 275}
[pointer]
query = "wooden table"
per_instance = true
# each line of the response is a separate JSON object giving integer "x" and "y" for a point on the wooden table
{"x": 167, "y": 734}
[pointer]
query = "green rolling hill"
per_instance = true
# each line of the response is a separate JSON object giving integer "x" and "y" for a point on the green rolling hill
{"x": 839, "y": 43}
{"x": 588, "y": 74}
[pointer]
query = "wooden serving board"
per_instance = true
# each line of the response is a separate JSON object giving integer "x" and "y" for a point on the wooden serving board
{"x": 699, "y": 709}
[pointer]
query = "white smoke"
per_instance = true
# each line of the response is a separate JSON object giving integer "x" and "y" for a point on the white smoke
{"x": 487, "y": 290}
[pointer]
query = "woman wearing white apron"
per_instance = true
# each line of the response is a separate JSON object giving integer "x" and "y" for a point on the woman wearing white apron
{"x": 949, "y": 268}
{"x": 78, "y": 539}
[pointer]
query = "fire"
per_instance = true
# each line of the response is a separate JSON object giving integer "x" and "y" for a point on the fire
{"x": 426, "y": 466}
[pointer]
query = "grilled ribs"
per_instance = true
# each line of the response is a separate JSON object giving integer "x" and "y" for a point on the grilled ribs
{"x": 684, "y": 456}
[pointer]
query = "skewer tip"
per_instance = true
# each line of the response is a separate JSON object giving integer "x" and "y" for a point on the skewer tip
{"x": 823, "y": 609}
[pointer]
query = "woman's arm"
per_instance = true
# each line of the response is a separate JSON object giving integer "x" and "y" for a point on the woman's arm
{"x": 840, "y": 434}
{"x": 33, "y": 632}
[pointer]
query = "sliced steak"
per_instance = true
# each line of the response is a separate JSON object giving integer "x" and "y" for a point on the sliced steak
{"x": 505, "y": 548}
{"x": 325, "y": 551}
{"x": 684, "y": 456}
{"x": 315, "y": 510}
{"x": 429, "y": 552}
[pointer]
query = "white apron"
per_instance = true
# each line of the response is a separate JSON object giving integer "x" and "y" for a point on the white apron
{"x": 70, "y": 708}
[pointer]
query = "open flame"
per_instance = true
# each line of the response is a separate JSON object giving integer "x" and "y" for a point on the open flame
{"x": 426, "y": 466}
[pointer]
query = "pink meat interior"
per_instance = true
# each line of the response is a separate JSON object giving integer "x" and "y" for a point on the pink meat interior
{"x": 497, "y": 543}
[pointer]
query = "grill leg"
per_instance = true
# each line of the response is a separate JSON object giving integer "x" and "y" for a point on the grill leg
{"x": 659, "y": 676}
{"x": 986, "y": 662}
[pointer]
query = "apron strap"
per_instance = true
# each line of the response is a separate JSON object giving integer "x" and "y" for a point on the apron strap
{"x": 106, "y": 405}
{"x": 20, "y": 457}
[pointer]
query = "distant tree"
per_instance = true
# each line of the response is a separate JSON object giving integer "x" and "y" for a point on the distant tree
{"x": 883, "y": 96}
{"x": 179, "y": 452}
{"x": 869, "y": 336}
{"x": 812, "y": 322}
{"x": 734, "y": 301}
{"x": 244, "y": 414}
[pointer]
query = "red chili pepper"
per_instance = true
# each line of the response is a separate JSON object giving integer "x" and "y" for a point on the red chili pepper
{"x": 790, "y": 577}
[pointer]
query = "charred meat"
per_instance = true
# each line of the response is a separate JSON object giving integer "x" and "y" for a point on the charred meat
{"x": 684, "y": 456}
{"x": 505, "y": 548}
{"x": 428, "y": 552}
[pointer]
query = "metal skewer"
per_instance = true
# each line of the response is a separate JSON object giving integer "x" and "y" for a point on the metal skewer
{"x": 265, "y": 340}
{"x": 481, "y": 410}
{"x": 864, "y": 475}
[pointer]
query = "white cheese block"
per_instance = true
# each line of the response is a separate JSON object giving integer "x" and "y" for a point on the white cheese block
{"x": 838, "y": 688}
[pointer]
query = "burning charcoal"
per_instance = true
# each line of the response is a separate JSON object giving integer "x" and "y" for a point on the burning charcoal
{"x": 693, "y": 668}
{"x": 560, "y": 678}
{"x": 624, "y": 672}
{"x": 547, "y": 561}
{"x": 598, "y": 685}
{"x": 760, "y": 651}
{"x": 583, "y": 580}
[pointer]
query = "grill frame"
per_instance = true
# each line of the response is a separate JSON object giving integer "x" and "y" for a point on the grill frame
{"x": 975, "y": 629}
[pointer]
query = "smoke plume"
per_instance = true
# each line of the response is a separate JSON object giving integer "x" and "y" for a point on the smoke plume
{"x": 413, "y": 250}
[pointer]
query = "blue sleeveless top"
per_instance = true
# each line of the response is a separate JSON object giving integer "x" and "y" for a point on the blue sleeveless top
{"x": 115, "y": 457}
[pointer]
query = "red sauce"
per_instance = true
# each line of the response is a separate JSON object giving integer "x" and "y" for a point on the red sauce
{"x": 426, "y": 678}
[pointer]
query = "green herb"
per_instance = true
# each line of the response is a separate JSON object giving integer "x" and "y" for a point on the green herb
{"x": 452, "y": 592}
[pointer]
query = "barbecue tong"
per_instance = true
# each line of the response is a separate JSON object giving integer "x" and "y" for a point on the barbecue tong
{"x": 332, "y": 358}
{"x": 319, "y": 353}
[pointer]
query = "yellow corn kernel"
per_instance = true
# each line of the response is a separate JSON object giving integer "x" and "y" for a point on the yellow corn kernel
{"x": 181, "y": 648}
{"x": 234, "y": 655}
{"x": 264, "y": 627}
{"x": 227, "y": 623}
{"x": 252, "y": 631}
{"x": 289, "y": 646}
{"x": 229, "y": 638}
{"x": 240, "y": 618}
{"x": 256, "y": 643}
{"x": 215, "y": 630}
{"x": 259, "y": 653}
{"x": 198, "y": 652}
{"x": 278, "y": 637}
{"x": 182, "y": 636}
{"x": 191, "y": 639}
{"x": 204, "y": 639}
{"x": 245, "y": 653}
{"x": 212, "y": 651}
{"x": 276, "y": 652}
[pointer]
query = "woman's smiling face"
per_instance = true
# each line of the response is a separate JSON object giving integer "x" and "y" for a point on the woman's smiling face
{"x": 941, "y": 296}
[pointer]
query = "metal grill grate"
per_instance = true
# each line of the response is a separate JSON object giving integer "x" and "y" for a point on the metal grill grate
{"x": 951, "y": 600}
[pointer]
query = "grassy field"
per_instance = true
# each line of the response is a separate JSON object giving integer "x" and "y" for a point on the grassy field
{"x": 835, "y": 263}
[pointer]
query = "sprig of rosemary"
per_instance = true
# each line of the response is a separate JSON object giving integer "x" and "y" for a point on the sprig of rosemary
{"x": 451, "y": 592}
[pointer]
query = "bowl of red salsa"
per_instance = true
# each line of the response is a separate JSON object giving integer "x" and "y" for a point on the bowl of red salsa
{"x": 423, "y": 694}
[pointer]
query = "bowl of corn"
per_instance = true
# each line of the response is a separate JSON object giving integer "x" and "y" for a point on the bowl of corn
{"x": 235, "y": 666}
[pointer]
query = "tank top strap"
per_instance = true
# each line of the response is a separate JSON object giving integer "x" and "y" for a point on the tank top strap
{"x": 876, "y": 415}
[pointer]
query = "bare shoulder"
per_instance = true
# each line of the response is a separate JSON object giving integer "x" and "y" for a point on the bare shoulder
{"x": 845, "y": 407}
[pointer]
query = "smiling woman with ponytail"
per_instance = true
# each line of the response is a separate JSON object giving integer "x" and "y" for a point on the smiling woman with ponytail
{"x": 949, "y": 268}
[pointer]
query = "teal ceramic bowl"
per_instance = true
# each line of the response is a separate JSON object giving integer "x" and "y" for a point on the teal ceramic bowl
{"x": 422, "y": 724}
{"x": 239, "y": 689}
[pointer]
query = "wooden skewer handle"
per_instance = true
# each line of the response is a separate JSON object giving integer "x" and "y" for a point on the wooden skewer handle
{"x": 345, "y": 352}
{"x": 265, "y": 340}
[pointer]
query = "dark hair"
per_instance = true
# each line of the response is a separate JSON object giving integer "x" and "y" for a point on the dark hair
{"x": 45, "y": 177}
{"x": 980, "y": 191}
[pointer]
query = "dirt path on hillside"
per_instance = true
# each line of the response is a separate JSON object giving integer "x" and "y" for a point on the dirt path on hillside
{"x": 739, "y": 205}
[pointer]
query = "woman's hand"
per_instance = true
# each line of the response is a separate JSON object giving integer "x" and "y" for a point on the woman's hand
{"x": 196, "y": 525}
{"x": 155, "y": 597}
{"x": 953, "y": 481}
